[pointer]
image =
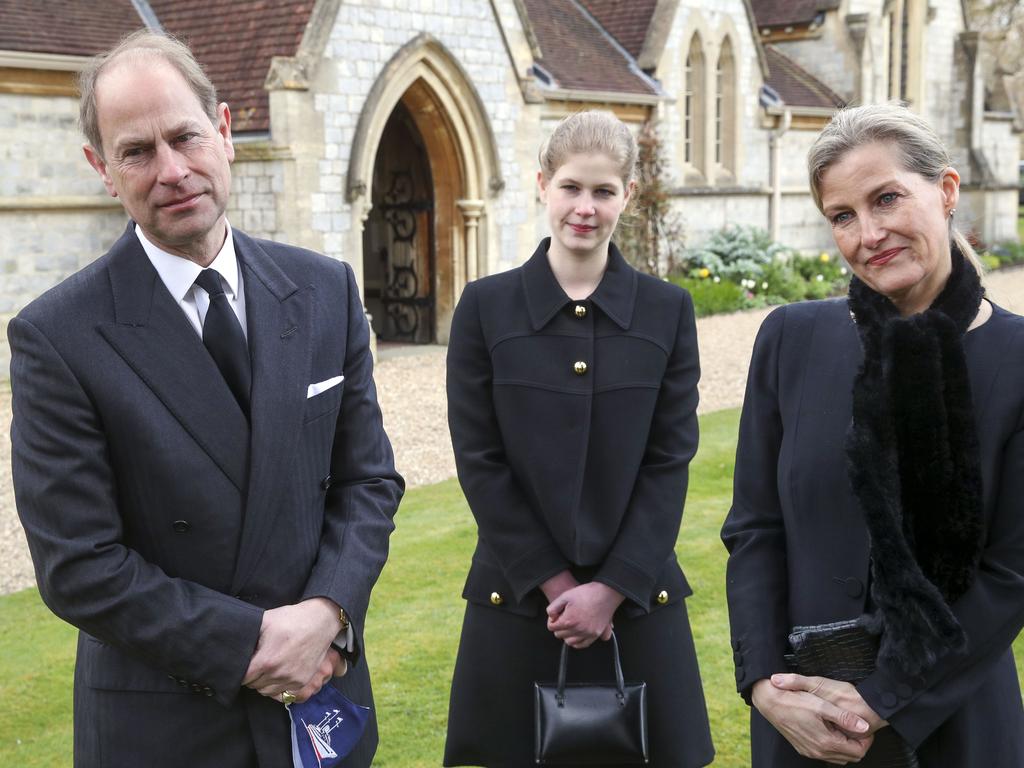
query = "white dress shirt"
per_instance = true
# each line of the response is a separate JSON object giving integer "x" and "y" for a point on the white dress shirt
{"x": 179, "y": 276}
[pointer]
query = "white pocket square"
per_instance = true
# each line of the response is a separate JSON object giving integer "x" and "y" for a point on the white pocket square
{"x": 322, "y": 386}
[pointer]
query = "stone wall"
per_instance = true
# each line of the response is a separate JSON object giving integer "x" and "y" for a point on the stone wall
{"x": 802, "y": 226}
{"x": 703, "y": 214}
{"x": 55, "y": 215}
{"x": 947, "y": 104}
{"x": 991, "y": 209}
{"x": 1000, "y": 143}
{"x": 256, "y": 186}
{"x": 41, "y": 148}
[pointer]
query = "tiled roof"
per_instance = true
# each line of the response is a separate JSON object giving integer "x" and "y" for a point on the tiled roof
{"x": 70, "y": 28}
{"x": 577, "y": 53}
{"x": 235, "y": 40}
{"x": 797, "y": 86}
{"x": 626, "y": 20}
{"x": 777, "y": 13}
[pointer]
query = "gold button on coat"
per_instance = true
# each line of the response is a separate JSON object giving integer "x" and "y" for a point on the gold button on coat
{"x": 580, "y": 368}
{"x": 581, "y": 310}
{"x": 497, "y": 599}
{"x": 662, "y": 597}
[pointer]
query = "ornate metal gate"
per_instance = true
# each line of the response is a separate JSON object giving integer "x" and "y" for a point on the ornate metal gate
{"x": 408, "y": 304}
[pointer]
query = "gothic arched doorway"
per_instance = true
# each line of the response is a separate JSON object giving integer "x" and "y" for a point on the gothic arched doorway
{"x": 399, "y": 245}
{"x": 423, "y": 142}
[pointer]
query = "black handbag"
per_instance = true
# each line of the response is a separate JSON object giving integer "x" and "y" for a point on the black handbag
{"x": 845, "y": 650}
{"x": 590, "y": 723}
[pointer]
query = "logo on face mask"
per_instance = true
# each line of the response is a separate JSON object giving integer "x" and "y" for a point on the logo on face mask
{"x": 325, "y": 728}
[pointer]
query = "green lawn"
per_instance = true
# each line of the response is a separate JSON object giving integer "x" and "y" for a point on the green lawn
{"x": 412, "y": 629}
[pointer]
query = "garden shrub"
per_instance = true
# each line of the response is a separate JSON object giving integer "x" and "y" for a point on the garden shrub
{"x": 990, "y": 261}
{"x": 1008, "y": 253}
{"x": 781, "y": 284}
{"x": 741, "y": 267}
{"x": 711, "y": 298}
{"x": 734, "y": 253}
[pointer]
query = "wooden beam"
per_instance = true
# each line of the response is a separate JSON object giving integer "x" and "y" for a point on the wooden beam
{"x": 38, "y": 82}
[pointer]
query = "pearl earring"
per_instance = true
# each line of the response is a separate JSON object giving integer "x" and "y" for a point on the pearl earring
{"x": 951, "y": 212}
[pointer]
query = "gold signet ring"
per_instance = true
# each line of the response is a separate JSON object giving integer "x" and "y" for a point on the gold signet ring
{"x": 287, "y": 698}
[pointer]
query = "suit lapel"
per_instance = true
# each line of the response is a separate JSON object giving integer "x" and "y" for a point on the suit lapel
{"x": 279, "y": 321}
{"x": 152, "y": 335}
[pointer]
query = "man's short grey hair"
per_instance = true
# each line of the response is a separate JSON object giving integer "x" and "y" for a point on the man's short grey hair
{"x": 137, "y": 45}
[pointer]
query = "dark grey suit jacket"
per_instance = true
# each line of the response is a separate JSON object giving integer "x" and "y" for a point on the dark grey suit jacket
{"x": 161, "y": 525}
{"x": 799, "y": 548}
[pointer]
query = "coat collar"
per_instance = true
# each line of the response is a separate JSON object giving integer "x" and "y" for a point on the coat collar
{"x": 134, "y": 280}
{"x": 615, "y": 294}
{"x": 179, "y": 275}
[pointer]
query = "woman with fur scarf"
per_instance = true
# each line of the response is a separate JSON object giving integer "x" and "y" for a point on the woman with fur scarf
{"x": 876, "y": 536}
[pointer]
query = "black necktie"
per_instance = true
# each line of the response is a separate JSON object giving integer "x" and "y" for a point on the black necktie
{"x": 223, "y": 337}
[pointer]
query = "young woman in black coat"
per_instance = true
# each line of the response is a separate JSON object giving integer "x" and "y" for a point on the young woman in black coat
{"x": 572, "y": 394}
{"x": 880, "y": 478}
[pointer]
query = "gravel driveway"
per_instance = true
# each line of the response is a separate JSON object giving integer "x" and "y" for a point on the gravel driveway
{"x": 410, "y": 384}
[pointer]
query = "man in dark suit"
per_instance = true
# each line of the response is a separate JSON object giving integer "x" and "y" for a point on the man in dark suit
{"x": 199, "y": 460}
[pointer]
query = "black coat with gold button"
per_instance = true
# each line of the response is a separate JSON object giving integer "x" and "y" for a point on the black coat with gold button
{"x": 573, "y": 424}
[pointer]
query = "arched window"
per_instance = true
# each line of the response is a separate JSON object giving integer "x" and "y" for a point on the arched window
{"x": 693, "y": 105}
{"x": 725, "y": 108}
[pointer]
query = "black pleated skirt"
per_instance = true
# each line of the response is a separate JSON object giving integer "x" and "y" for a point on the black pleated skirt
{"x": 501, "y": 655}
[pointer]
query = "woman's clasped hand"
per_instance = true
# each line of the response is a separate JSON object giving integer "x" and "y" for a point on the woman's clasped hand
{"x": 821, "y": 718}
{"x": 579, "y": 614}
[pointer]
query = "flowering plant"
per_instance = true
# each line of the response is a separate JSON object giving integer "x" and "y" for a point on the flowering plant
{"x": 734, "y": 253}
{"x": 741, "y": 267}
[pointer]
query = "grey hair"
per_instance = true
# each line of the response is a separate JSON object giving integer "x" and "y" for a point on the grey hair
{"x": 921, "y": 150}
{"x": 590, "y": 132}
{"x": 143, "y": 43}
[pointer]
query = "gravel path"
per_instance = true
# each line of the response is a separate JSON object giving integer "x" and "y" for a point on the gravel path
{"x": 410, "y": 385}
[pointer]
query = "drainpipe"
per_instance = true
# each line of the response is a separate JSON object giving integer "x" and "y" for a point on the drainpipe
{"x": 773, "y": 104}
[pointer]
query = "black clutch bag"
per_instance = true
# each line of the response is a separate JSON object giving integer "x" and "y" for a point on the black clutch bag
{"x": 845, "y": 650}
{"x": 590, "y": 723}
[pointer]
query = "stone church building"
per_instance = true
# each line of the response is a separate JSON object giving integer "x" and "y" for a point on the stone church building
{"x": 402, "y": 135}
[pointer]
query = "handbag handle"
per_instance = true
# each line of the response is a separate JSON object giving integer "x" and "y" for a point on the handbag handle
{"x": 620, "y": 684}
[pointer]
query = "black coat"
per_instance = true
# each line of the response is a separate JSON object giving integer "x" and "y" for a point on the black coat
{"x": 573, "y": 424}
{"x": 799, "y": 550}
{"x": 162, "y": 526}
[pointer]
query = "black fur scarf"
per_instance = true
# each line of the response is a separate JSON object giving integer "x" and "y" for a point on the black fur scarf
{"x": 912, "y": 459}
